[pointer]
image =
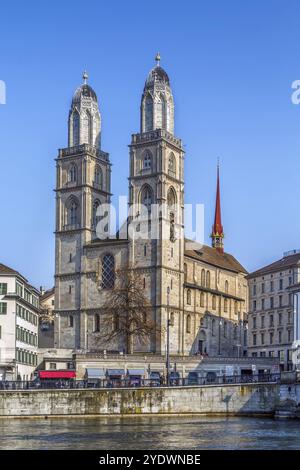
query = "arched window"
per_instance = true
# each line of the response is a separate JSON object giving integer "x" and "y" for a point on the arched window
{"x": 72, "y": 212}
{"x": 207, "y": 279}
{"x": 213, "y": 327}
{"x": 147, "y": 197}
{"x": 72, "y": 173}
{"x": 172, "y": 319}
{"x": 185, "y": 272}
{"x": 98, "y": 177}
{"x": 76, "y": 128}
{"x": 87, "y": 128}
{"x": 97, "y": 322}
{"x": 172, "y": 165}
{"x": 189, "y": 297}
{"x": 203, "y": 277}
{"x": 214, "y": 302}
{"x": 148, "y": 113}
{"x": 160, "y": 115}
{"x": 236, "y": 307}
{"x": 71, "y": 321}
{"x": 171, "y": 199}
{"x": 108, "y": 271}
{"x": 95, "y": 217}
{"x": 226, "y": 287}
{"x": 188, "y": 324}
{"x": 225, "y": 305}
{"x": 202, "y": 299}
{"x": 147, "y": 161}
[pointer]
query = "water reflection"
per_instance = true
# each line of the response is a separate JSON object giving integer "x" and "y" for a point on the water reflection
{"x": 149, "y": 433}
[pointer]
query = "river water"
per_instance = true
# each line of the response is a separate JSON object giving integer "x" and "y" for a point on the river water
{"x": 149, "y": 433}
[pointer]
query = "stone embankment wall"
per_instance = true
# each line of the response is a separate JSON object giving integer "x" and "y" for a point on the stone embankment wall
{"x": 229, "y": 399}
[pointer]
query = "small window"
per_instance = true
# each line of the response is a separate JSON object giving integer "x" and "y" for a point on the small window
{"x": 147, "y": 161}
{"x": 226, "y": 287}
{"x": 172, "y": 319}
{"x": 3, "y": 288}
{"x": 97, "y": 322}
{"x": 3, "y": 308}
{"x": 188, "y": 324}
{"x": 108, "y": 272}
{"x": 208, "y": 279}
{"x": 189, "y": 297}
{"x": 71, "y": 321}
{"x": 225, "y": 305}
{"x": 72, "y": 175}
{"x": 203, "y": 278}
{"x": 202, "y": 299}
{"x": 214, "y": 302}
{"x": 185, "y": 272}
{"x": 52, "y": 365}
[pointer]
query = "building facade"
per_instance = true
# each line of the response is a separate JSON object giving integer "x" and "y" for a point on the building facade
{"x": 271, "y": 316}
{"x": 19, "y": 315}
{"x": 46, "y": 319}
{"x": 201, "y": 289}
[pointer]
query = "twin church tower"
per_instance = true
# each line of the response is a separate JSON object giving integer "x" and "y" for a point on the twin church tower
{"x": 85, "y": 265}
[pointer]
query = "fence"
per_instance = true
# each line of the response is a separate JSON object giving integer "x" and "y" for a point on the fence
{"x": 39, "y": 384}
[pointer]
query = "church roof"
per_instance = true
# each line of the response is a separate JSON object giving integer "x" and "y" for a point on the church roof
{"x": 209, "y": 255}
{"x": 285, "y": 262}
{"x": 85, "y": 91}
{"x": 157, "y": 74}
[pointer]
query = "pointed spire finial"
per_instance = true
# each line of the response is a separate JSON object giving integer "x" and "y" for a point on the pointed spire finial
{"x": 157, "y": 58}
{"x": 217, "y": 229}
{"x": 85, "y": 77}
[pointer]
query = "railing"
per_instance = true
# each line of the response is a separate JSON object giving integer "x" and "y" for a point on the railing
{"x": 130, "y": 382}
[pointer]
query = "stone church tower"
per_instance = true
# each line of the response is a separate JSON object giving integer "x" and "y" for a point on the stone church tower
{"x": 83, "y": 183}
{"x": 156, "y": 177}
{"x": 202, "y": 291}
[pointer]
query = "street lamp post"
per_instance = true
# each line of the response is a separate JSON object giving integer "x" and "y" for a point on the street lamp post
{"x": 168, "y": 339}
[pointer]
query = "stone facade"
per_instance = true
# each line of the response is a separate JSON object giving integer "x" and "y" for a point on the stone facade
{"x": 207, "y": 314}
{"x": 271, "y": 316}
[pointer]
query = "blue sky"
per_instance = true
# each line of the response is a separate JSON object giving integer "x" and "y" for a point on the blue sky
{"x": 231, "y": 66}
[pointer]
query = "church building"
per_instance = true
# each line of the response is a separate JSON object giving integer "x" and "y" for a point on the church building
{"x": 203, "y": 291}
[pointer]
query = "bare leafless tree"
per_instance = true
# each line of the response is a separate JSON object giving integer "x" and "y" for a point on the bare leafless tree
{"x": 126, "y": 313}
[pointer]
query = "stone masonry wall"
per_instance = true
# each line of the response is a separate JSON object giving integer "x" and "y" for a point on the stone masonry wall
{"x": 233, "y": 399}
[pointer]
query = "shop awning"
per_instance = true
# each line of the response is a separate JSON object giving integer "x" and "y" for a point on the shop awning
{"x": 93, "y": 373}
{"x": 115, "y": 372}
{"x": 136, "y": 371}
{"x": 57, "y": 374}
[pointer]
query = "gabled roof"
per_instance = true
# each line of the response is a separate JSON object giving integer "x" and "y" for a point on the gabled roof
{"x": 211, "y": 256}
{"x": 286, "y": 262}
{"x": 7, "y": 270}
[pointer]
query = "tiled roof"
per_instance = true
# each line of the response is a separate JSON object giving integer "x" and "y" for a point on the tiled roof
{"x": 211, "y": 256}
{"x": 47, "y": 294}
{"x": 284, "y": 263}
{"x": 7, "y": 270}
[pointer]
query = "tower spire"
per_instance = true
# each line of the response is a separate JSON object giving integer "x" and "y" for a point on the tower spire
{"x": 217, "y": 229}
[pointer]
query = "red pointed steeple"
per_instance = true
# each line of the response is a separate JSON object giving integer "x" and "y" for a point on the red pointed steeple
{"x": 217, "y": 229}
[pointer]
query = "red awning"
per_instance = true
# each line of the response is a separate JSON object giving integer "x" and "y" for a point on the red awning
{"x": 57, "y": 374}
